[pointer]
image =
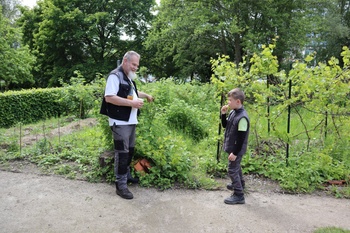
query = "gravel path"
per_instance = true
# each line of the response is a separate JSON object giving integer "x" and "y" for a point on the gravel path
{"x": 36, "y": 203}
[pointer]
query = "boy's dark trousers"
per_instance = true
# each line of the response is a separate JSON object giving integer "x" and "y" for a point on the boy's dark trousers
{"x": 236, "y": 176}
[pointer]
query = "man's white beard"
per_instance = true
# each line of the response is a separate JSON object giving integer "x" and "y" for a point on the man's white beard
{"x": 132, "y": 75}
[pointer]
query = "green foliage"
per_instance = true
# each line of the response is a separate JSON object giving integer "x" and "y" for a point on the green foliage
{"x": 340, "y": 192}
{"x": 180, "y": 116}
{"x": 319, "y": 150}
{"x": 70, "y": 35}
{"x": 16, "y": 60}
{"x": 74, "y": 155}
{"x": 165, "y": 140}
{"x": 79, "y": 97}
{"x": 330, "y": 36}
{"x": 309, "y": 92}
{"x": 186, "y": 34}
{"x": 66, "y": 36}
{"x": 302, "y": 174}
{"x": 178, "y": 133}
{"x": 29, "y": 106}
{"x": 331, "y": 230}
{"x": 173, "y": 132}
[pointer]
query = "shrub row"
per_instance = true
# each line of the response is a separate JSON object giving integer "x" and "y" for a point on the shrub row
{"x": 28, "y": 106}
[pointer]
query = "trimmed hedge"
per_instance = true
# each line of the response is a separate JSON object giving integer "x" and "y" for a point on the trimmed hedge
{"x": 28, "y": 106}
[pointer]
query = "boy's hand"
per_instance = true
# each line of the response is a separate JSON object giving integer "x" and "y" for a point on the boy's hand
{"x": 232, "y": 157}
{"x": 224, "y": 109}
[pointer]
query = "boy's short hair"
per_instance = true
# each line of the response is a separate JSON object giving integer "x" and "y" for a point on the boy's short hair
{"x": 237, "y": 94}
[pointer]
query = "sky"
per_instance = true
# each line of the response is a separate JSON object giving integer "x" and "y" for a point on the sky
{"x": 29, "y": 3}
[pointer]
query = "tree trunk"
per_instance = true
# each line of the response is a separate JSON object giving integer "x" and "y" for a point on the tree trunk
{"x": 238, "y": 49}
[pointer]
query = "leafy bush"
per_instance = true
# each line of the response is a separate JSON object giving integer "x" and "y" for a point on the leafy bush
{"x": 79, "y": 96}
{"x": 178, "y": 132}
{"x": 301, "y": 174}
{"x": 29, "y": 106}
{"x": 183, "y": 118}
{"x": 172, "y": 131}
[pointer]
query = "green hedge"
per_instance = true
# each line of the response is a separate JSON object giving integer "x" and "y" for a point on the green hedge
{"x": 28, "y": 106}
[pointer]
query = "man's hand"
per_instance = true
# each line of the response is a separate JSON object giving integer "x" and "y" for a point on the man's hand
{"x": 149, "y": 98}
{"x": 137, "y": 103}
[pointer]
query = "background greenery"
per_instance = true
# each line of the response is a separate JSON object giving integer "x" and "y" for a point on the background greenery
{"x": 178, "y": 134}
{"x": 176, "y": 39}
{"x": 290, "y": 57}
{"x": 22, "y": 106}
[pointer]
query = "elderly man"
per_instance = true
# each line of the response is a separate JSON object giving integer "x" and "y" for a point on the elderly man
{"x": 122, "y": 104}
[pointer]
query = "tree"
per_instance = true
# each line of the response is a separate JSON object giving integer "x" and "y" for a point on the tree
{"x": 334, "y": 31}
{"x": 186, "y": 34}
{"x": 9, "y": 9}
{"x": 16, "y": 60}
{"x": 88, "y": 36}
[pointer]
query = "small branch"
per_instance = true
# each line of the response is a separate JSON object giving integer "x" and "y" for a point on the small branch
{"x": 306, "y": 131}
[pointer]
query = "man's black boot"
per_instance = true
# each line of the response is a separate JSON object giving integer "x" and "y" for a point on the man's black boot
{"x": 131, "y": 179}
{"x": 124, "y": 193}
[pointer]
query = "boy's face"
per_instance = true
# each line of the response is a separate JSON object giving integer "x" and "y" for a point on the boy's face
{"x": 234, "y": 103}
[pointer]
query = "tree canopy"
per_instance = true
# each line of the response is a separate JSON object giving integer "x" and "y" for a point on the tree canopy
{"x": 175, "y": 38}
{"x": 16, "y": 59}
{"x": 69, "y": 35}
{"x": 186, "y": 34}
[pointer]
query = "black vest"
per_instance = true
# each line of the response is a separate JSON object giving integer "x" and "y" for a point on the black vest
{"x": 232, "y": 129}
{"x": 117, "y": 112}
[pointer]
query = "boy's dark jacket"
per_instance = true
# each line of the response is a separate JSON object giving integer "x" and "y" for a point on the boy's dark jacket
{"x": 121, "y": 113}
{"x": 235, "y": 141}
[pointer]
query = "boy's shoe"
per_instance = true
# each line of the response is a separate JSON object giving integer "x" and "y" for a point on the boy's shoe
{"x": 234, "y": 199}
{"x": 125, "y": 193}
{"x": 229, "y": 186}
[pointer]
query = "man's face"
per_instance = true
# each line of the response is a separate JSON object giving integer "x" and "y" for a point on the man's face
{"x": 130, "y": 66}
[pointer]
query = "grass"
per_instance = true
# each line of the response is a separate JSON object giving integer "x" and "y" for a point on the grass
{"x": 331, "y": 230}
{"x": 73, "y": 155}
{"x": 10, "y": 138}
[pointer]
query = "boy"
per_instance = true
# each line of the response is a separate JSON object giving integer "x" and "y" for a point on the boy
{"x": 235, "y": 142}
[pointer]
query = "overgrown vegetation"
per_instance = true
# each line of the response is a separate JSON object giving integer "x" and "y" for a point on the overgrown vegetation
{"x": 178, "y": 132}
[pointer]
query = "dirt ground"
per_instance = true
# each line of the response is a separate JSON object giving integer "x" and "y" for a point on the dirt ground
{"x": 32, "y": 202}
